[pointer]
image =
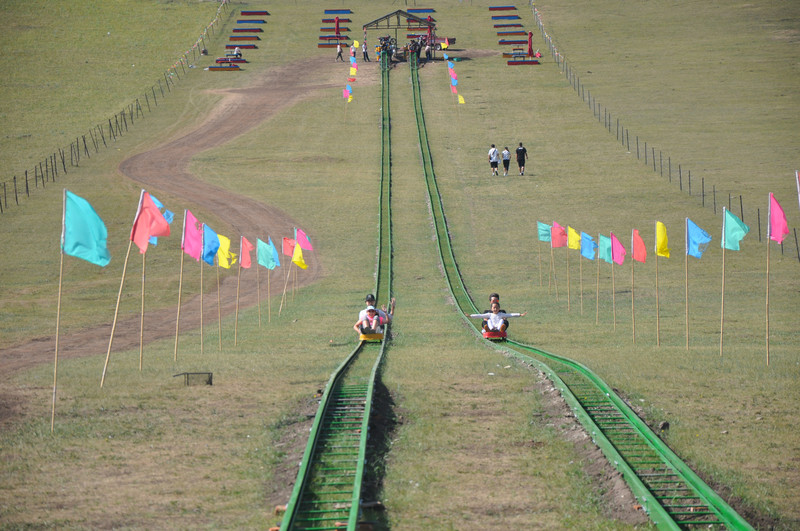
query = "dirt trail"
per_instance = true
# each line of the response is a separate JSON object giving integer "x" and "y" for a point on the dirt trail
{"x": 166, "y": 169}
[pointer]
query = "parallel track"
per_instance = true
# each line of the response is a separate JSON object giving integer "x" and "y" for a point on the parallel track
{"x": 669, "y": 491}
{"x": 327, "y": 492}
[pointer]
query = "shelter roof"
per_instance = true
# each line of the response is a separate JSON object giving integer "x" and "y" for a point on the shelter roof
{"x": 392, "y": 21}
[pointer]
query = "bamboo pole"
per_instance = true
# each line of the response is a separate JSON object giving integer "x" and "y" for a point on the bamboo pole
{"x": 55, "y": 362}
{"x": 613, "y": 295}
{"x": 202, "y": 351}
{"x": 597, "y": 294}
{"x": 569, "y": 290}
{"x": 580, "y": 283}
{"x": 285, "y": 284}
{"x": 269, "y": 308}
{"x": 722, "y": 297}
{"x": 178, "y": 318}
{"x": 258, "y": 291}
{"x": 658, "y": 320}
{"x": 141, "y": 319}
{"x": 633, "y": 312}
{"x": 238, "y": 283}
{"x": 219, "y": 310}
{"x": 116, "y": 313}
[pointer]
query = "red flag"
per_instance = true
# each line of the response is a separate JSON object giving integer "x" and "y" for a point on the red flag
{"x": 148, "y": 222}
{"x": 244, "y": 252}
{"x": 558, "y": 236}
{"x": 453, "y": 89}
{"x": 288, "y": 246}
{"x": 637, "y": 244}
{"x": 778, "y": 228}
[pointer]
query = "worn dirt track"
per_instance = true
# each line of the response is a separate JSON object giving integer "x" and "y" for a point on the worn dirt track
{"x": 166, "y": 169}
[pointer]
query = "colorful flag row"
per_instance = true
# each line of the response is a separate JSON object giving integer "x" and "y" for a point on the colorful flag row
{"x": 453, "y": 78}
{"x": 84, "y": 235}
{"x": 610, "y": 249}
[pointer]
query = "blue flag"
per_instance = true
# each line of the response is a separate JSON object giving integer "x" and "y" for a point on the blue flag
{"x": 697, "y": 239}
{"x": 453, "y": 81}
{"x": 587, "y": 246}
{"x": 83, "y": 233}
{"x": 210, "y": 244}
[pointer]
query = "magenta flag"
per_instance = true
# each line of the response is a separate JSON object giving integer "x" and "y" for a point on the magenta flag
{"x": 302, "y": 240}
{"x": 778, "y": 228}
{"x": 345, "y": 93}
{"x": 617, "y": 250}
{"x": 453, "y": 89}
{"x": 558, "y": 236}
{"x": 192, "y": 239}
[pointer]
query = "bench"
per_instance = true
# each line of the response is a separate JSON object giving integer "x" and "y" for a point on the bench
{"x": 200, "y": 378}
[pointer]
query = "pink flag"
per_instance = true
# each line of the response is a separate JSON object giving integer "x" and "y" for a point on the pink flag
{"x": 302, "y": 240}
{"x": 148, "y": 222}
{"x": 453, "y": 89}
{"x": 453, "y": 74}
{"x": 778, "y": 228}
{"x": 345, "y": 93}
{"x": 558, "y": 236}
{"x": 637, "y": 245}
{"x": 244, "y": 251}
{"x": 192, "y": 239}
{"x": 288, "y": 246}
{"x": 617, "y": 250}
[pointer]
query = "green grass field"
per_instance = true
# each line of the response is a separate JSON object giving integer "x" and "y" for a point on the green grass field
{"x": 709, "y": 84}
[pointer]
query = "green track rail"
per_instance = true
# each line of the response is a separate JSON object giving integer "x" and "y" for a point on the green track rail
{"x": 327, "y": 492}
{"x": 669, "y": 491}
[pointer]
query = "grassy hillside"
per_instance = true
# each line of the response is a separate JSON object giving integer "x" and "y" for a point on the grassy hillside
{"x": 218, "y": 456}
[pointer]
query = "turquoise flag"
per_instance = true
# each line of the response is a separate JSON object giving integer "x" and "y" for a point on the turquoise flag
{"x": 266, "y": 254}
{"x": 733, "y": 230}
{"x": 210, "y": 245}
{"x": 83, "y": 233}
{"x": 544, "y": 231}
{"x": 604, "y": 245}
{"x": 587, "y": 246}
{"x": 697, "y": 239}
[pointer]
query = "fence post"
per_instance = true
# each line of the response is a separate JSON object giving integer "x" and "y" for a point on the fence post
{"x": 690, "y": 182}
{"x": 703, "y": 190}
{"x": 741, "y": 208}
{"x": 16, "y": 195}
{"x": 680, "y": 178}
{"x": 758, "y": 213}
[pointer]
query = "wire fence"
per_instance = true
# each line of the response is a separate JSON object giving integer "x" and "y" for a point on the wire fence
{"x": 656, "y": 160}
{"x": 63, "y": 160}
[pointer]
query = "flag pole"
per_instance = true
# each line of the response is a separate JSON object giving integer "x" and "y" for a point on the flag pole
{"x": 141, "y": 320}
{"x": 633, "y": 312}
{"x": 769, "y": 234}
{"x": 116, "y": 313}
{"x": 686, "y": 281}
{"x": 580, "y": 275}
{"x": 658, "y": 322}
{"x": 722, "y": 296}
{"x": 285, "y": 284}
{"x": 201, "y": 299}
{"x": 58, "y": 322}
{"x": 597, "y": 294}
{"x": 178, "y": 318}
{"x": 569, "y": 292}
{"x": 269, "y": 308}
{"x": 613, "y": 294}
{"x": 238, "y": 283}
{"x": 258, "y": 292}
{"x": 219, "y": 310}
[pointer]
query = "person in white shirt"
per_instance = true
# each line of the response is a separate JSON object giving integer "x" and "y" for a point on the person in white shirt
{"x": 495, "y": 318}
{"x": 494, "y": 159}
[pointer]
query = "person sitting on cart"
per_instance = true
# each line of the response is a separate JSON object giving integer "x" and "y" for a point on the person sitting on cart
{"x": 496, "y": 320}
{"x": 494, "y": 297}
{"x": 372, "y": 323}
{"x": 369, "y": 300}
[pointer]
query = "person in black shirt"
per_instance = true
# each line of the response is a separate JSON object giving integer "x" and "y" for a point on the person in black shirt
{"x": 522, "y": 154}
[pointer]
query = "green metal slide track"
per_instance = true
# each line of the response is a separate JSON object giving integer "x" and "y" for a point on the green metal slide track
{"x": 669, "y": 491}
{"x": 327, "y": 492}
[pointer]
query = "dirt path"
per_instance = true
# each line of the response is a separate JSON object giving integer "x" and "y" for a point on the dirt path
{"x": 166, "y": 169}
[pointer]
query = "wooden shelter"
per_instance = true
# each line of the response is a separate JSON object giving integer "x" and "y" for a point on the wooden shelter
{"x": 400, "y": 20}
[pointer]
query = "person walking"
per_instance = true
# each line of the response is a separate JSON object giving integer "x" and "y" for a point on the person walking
{"x": 506, "y": 160}
{"x": 353, "y": 51}
{"x": 494, "y": 159}
{"x": 522, "y": 154}
{"x": 339, "y": 52}
{"x": 364, "y": 51}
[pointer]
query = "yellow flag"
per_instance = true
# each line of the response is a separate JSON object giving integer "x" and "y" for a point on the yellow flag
{"x": 661, "y": 240}
{"x": 355, "y": 43}
{"x": 460, "y": 99}
{"x": 297, "y": 257}
{"x": 349, "y": 98}
{"x": 573, "y": 238}
{"x": 353, "y": 71}
{"x": 224, "y": 255}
